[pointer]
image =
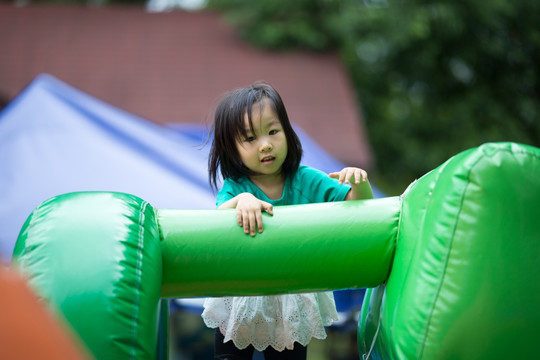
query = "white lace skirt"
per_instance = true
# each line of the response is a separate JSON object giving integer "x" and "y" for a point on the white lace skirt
{"x": 276, "y": 321}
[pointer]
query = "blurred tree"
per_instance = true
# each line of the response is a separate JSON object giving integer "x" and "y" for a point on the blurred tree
{"x": 281, "y": 25}
{"x": 433, "y": 78}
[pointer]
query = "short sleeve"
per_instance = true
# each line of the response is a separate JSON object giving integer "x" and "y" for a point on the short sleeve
{"x": 226, "y": 193}
{"x": 315, "y": 186}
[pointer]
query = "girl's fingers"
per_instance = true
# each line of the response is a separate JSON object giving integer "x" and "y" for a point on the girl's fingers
{"x": 338, "y": 176}
{"x": 244, "y": 221}
{"x": 268, "y": 208}
{"x": 259, "y": 222}
{"x": 249, "y": 222}
{"x": 345, "y": 175}
{"x": 247, "y": 225}
{"x": 358, "y": 176}
{"x": 350, "y": 173}
{"x": 251, "y": 217}
{"x": 239, "y": 217}
{"x": 362, "y": 176}
{"x": 341, "y": 177}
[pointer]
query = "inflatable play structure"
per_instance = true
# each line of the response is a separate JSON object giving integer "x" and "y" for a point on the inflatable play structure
{"x": 451, "y": 265}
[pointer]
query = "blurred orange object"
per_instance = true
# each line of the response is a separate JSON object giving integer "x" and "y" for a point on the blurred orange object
{"x": 27, "y": 329}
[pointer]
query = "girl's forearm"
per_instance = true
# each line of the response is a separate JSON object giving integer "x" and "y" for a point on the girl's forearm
{"x": 229, "y": 204}
{"x": 232, "y": 203}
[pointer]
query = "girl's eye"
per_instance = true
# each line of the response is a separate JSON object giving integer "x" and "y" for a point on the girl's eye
{"x": 273, "y": 132}
{"x": 250, "y": 138}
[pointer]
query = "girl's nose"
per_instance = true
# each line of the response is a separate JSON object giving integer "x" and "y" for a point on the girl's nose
{"x": 266, "y": 146}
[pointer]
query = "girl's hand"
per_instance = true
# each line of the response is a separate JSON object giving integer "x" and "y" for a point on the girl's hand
{"x": 249, "y": 211}
{"x": 360, "y": 187}
{"x": 348, "y": 174}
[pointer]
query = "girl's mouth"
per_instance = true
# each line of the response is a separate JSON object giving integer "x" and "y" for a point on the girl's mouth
{"x": 267, "y": 159}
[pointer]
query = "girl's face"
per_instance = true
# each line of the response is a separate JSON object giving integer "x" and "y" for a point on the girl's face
{"x": 264, "y": 149}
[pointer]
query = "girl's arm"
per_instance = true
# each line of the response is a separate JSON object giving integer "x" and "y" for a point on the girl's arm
{"x": 357, "y": 178}
{"x": 248, "y": 211}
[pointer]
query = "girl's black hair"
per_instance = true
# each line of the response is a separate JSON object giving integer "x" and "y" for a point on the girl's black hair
{"x": 228, "y": 127}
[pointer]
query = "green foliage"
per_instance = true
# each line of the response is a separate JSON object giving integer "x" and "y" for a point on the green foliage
{"x": 436, "y": 78}
{"x": 433, "y": 77}
{"x": 280, "y": 25}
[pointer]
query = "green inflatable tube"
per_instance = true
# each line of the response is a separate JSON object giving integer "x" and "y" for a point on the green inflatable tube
{"x": 303, "y": 248}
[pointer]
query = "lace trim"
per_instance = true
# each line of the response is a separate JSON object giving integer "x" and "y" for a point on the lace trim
{"x": 277, "y": 321}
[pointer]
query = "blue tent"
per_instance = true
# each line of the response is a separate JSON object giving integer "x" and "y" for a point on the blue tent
{"x": 56, "y": 139}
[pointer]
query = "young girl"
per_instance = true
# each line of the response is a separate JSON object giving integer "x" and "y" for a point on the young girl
{"x": 258, "y": 155}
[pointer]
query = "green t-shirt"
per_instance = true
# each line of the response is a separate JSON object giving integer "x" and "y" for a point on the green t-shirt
{"x": 307, "y": 185}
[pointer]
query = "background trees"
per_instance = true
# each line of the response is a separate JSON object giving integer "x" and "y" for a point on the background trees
{"x": 433, "y": 78}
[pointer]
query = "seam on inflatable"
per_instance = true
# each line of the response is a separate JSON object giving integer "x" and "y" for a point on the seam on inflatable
{"x": 398, "y": 232}
{"x": 138, "y": 278}
{"x": 409, "y": 265}
{"x": 400, "y": 198}
{"x": 366, "y": 356}
{"x": 447, "y": 255}
{"x": 35, "y": 215}
{"x": 158, "y": 225}
{"x": 395, "y": 236}
{"x": 429, "y": 202}
{"x": 480, "y": 157}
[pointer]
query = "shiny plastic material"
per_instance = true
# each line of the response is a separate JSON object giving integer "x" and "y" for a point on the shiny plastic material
{"x": 303, "y": 248}
{"x": 464, "y": 282}
{"x": 95, "y": 257}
